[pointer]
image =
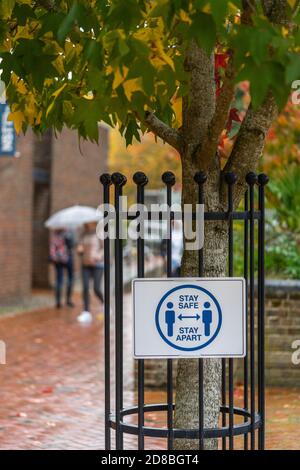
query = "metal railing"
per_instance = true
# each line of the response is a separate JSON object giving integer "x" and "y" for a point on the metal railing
{"x": 252, "y": 426}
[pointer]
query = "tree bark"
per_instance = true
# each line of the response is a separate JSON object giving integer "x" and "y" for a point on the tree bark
{"x": 215, "y": 262}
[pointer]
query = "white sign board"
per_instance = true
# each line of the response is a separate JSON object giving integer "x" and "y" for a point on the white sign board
{"x": 190, "y": 317}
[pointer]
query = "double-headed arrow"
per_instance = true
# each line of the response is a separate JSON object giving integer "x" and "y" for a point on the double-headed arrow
{"x": 182, "y": 317}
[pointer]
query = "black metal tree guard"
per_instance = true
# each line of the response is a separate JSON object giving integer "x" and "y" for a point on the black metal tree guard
{"x": 252, "y": 427}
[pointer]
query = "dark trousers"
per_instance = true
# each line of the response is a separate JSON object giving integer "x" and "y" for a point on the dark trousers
{"x": 95, "y": 273}
{"x": 60, "y": 268}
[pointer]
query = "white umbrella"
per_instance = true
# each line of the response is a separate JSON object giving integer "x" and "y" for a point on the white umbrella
{"x": 73, "y": 217}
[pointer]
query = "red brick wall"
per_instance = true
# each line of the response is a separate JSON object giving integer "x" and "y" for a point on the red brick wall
{"x": 15, "y": 222}
{"x": 73, "y": 179}
{"x": 25, "y": 204}
{"x": 41, "y": 209}
{"x": 75, "y": 174}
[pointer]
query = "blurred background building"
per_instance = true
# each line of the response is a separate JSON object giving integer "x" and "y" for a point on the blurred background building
{"x": 46, "y": 175}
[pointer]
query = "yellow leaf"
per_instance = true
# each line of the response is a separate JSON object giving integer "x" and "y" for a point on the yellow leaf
{"x": 72, "y": 50}
{"x": 292, "y": 3}
{"x": 6, "y": 8}
{"x": 18, "y": 84}
{"x": 184, "y": 16}
{"x": 119, "y": 77}
{"x": 59, "y": 64}
{"x": 131, "y": 86}
{"x": 17, "y": 117}
{"x": 177, "y": 108}
{"x": 89, "y": 96}
{"x": 59, "y": 91}
{"x": 163, "y": 55}
{"x": 38, "y": 118}
{"x": 23, "y": 33}
{"x": 48, "y": 82}
{"x": 50, "y": 107}
{"x": 31, "y": 110}
{"x": 206, "y": 8}
{"x": 55, "y": 94}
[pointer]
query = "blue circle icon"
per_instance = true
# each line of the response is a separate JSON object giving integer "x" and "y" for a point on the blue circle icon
{"x": 188, "y": 317}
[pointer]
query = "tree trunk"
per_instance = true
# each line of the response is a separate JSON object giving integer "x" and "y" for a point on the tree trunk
{"x": 215, "y": 265}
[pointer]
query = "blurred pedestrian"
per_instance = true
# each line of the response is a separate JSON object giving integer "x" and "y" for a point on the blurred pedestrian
{"x": 91, "y": 250}
{"x": 177, "y": 247}
{"x": 61, "y": 255}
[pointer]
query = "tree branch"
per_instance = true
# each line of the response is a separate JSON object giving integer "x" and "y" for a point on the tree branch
{"x": 249, "y": 144}
{"x": 162, "y": 130}
{"x": 249, "y": 8}
{"x": 199, "y": 105}
{"x": 276, "y": 11}
{"x": 47, "y": 4}
{"x": 209, "y": 146}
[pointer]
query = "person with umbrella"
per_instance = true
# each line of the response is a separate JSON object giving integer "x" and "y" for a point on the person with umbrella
{"x": 91, "y": 251}
{"x": 61, "y": 255}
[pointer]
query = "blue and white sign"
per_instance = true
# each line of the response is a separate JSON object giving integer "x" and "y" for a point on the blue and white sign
{"x": 7, "y": 133}
{"x": 189, "y": 317}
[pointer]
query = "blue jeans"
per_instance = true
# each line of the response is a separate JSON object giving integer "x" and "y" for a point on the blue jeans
{"x": 95, "y": 273}
{"x": 60, "y": 268}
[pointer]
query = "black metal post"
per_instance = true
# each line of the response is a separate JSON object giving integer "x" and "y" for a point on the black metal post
{"x": 246, "y": 254}
{"x": 140, "y": 180}
{"x": 251, "y": 179}
{"x": 230, "y": 179}
{"x": 118, "y": 180}
{"x": 200, "y": 178}
{"x": 262, "y": 180}
{"x": 105, "y": 179}
{"x": 169, "y": 179}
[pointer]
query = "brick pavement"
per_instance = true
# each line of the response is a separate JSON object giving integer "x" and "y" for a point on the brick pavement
{"x": 52, "y": 386}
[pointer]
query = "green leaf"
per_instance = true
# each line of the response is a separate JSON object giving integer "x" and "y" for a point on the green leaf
{"x": 219, "y": 11}
{"x": 51, "y": 22}
{"x": 260, "y": 78}
{"x": 161, "y": 9}
{"x": 140, "y": 68}
{"x": 67, "y": 24}
{"x": 125, "y": 14}
{"x": 203, "y": 30}
{"x": 22, "y": 13}
{"x": 87, "y": 115}
{"x": 132, "y": 130}
{"x": 94, "y": 53}
{"x": 292, "y": 71}
{"x": 259, "y": 45}
{"x": 280, "y": 90}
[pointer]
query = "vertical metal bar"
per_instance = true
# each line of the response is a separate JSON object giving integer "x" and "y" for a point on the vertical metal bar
{"x": 246, "y": 384}
{"x": 224, "y": 416}
{"x": 200, "y": 178}
{"x": 118, "y": 180}
{"x": 169, "y": 179}
{"x": 251, "y": 179}
{"x": 106, "y": 182}
{"x": 230, "y": 179}
{"x": 140, "y": 180}
{"x": 224, "y": 420}
{"x": 262, "y": 180}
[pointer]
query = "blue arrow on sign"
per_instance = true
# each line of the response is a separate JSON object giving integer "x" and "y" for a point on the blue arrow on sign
{"x": 182, "y": 317}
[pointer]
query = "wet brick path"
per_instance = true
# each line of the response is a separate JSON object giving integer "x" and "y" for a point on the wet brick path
{"x": 52, "y": 390}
